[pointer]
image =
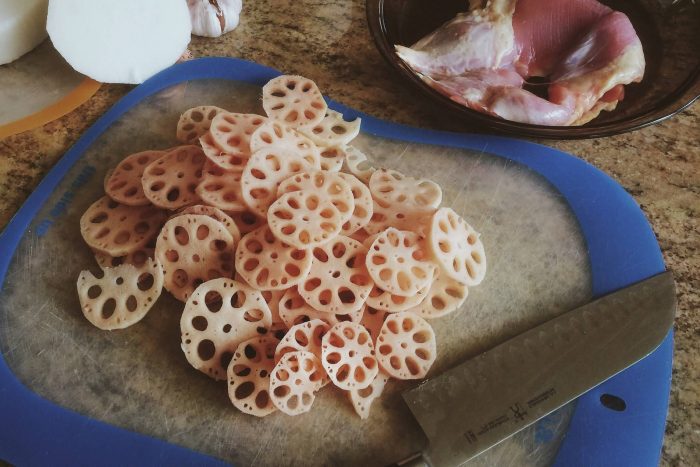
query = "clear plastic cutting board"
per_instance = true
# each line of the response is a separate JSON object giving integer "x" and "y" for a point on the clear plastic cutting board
{"x": 138, "y": 378}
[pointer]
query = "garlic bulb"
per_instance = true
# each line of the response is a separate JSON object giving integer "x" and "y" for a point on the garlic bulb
{"x": 212, "y": 18}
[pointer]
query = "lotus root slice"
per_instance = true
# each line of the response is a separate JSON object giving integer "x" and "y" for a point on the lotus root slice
{"x": 406, "y": 346}
{"x": 218, "y": 316}
{"x": 122, "y": 296}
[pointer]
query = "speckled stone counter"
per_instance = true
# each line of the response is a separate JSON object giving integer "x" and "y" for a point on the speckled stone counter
{"x": 328, "y": 41}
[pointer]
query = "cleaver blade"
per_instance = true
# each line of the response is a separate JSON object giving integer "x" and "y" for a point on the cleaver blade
{"x": 492, "y": 396}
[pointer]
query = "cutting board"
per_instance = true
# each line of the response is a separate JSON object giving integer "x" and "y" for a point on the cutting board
{"x": 557, "y": 232}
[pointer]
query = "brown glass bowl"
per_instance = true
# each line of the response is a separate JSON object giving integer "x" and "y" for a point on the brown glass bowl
{"x": 670, "y": 35}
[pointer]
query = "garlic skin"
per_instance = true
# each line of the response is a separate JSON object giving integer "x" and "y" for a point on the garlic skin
{"x": 212, "y": 18}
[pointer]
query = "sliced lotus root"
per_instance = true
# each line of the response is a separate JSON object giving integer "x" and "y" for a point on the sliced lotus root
{"x": 457, "y": 248}
{"x": 397, "y": 263}
{"x": 232, "y": 131}
{"x": 348, "y": 356}
{"x": 221, "y": 188}
{"x": 329, "y": 185}
{"x": 311, "y": 209}
{"x": 333, "y": 130}
{"x": 338, "y": 281}
{"x": 295, "y": 380}
{"x": 122, "y": 296}
{"x": 265, "y": 170}
{"x": 304, "y": 219}
{"x": 266, "y": 263}
{"x": 170, "y": 181}
{"x": 278, "y": 135}
{"x": 249, "y": 376}
{"x": 362, "y": 399}
{"x": 247, "y": 221}
{"x": 386, "y": 215}
{"x": 363, "y": 205}
{"x": 392, "y": 303}
{"x": 116, "y": 229}
{"x": 304, "y": 336}
{"x": 218, "y": 316}
{"x": 294, "y": 100}
{"x": 123, "y": 184}
{"x": 195, "y": 122}
{"x": 332, "y": 158}
{"x": 372, "y": 320}
{"x": 294, "y": 310}
{"x": 444, "y": 296}
{"x": 406, "y": 347}
{"x": 232, "y": 162}
{"x": 193, "y": 249}
{"x": 216, "y": 214}
{"x": 412, "y": 194}
{"x": 358, "y": 164}
{"x": 137, "y": 258}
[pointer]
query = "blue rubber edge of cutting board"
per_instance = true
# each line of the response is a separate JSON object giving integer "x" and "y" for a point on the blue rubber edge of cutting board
{"x": 622, "y": 249}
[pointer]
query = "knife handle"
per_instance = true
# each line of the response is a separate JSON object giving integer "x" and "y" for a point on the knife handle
{"x": 414, "y": 460}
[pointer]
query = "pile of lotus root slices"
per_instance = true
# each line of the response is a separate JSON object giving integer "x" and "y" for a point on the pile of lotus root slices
{"x": 299, "y": 263}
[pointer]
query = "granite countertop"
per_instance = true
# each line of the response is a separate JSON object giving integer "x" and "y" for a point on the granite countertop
{"x": 328, "y": 41}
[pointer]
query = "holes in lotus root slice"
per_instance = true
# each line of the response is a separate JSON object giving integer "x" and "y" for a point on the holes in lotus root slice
{"x": 294, "y": 100}
{"x": 278, "y": 135}
{"x": 249, "y": 376}
{"x": 357, "y": 164}
{"x": 265, "y": 170}
{"x": 457, "y": 247}
{"x": 247, "y": 221}
{"x": 295, "y": 380}
{"x": 332, "y": 158}
{"x": 362, "y": 202}
{"x": 232, "y": 132}
{"x": 221, "y": 188}
{"x": 372, "y": 320}
{"x": 294, "y": 310}
{"x": 338, "y": 281}
{"x": 195, "y": 122}
{"x": 266, "y": 263}
{"x": 386, "y": 215}
{"x": 170, "y": 181}
{"x": 230, "y": 162}
{"x": 411, "y": 194}
{"x": 218, "y": 316}
{"x": 333, "y": 130}
{"x": 348, "y": 356}
{"x": 216, "y": 214}
{"x": 193, "y": 249}
{"x": 304, "y": 219}
{"x": 304, "y": 336}
{"x": 397, "y": 263}
{"x": 329, "y": 185}
{"x": 116, "y": 229}
{"x": 362, "y": 399}
{"x": 406, "y": 347}
{"x": 444, "y": 296}
{"x": 122, "y": 296}
{"x": 123, "y": 184}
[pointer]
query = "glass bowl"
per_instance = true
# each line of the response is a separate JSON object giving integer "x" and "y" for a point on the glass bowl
{"x": 670, "y": 35}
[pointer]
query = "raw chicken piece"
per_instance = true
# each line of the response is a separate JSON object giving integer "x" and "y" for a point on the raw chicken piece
{"x": 481, "y": 59}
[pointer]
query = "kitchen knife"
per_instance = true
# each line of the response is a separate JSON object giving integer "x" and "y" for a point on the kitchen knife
{"x": 483, "y": 401}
